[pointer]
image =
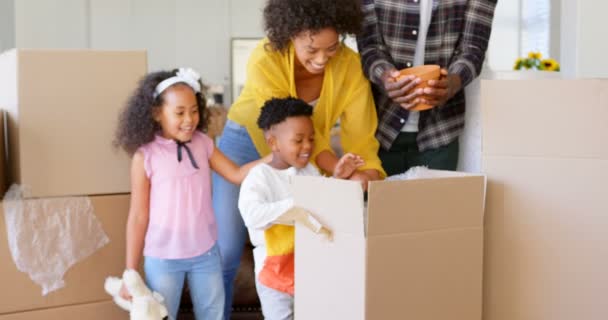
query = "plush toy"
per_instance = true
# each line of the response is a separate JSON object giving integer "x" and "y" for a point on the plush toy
{"x": 145, "y": 304}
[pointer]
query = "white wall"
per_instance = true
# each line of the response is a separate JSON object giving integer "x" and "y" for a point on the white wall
{"x": 556, "y": 30}
{"x": 177, "y": 33}
{"x": 592, "y": 44}
{"x": 51, "y": 23}
{"x": 246, "y": 18}
{"x": 194, "y": 33}
{"x": 504, "y": 45}
{"x": 569, "y": 38}
{"x": 7, "y": 24}
{"x": 584, "y": 50}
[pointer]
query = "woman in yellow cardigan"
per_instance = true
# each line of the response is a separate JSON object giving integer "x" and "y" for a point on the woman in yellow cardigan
{"x": 302, "y": 57}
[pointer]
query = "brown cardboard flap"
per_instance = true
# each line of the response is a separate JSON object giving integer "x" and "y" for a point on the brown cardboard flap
{"x": 558, "y": 118}
{"x": 425, "y": 276}
{"x": 425, "y": 205}
{"x": 337, "y": 203}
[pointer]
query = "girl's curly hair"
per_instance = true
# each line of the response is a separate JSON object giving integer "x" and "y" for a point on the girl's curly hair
{"x": 136, "y": 124}
{"x": 284, "y": 19}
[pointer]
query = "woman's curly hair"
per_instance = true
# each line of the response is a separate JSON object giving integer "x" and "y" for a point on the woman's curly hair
{"x": 136, "y": 124}
{"x": 284, "y": 19}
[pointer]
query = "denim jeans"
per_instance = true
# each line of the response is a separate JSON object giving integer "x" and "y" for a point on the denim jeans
{"x": 236, "y": 144}
{"x": 276, "y": 305}
{"x": 204, "y": 276}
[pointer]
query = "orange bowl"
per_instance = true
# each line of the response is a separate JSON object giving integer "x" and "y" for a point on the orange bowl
{"x": 425, "y": 73}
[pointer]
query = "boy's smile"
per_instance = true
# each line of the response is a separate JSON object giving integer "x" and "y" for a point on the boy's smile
{"x": 292, "y": 142}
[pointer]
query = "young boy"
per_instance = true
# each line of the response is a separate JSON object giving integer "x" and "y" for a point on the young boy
{"x": 266, "y": 204}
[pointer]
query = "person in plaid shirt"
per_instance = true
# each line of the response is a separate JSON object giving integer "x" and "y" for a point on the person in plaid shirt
{"x": 400, "y": 34}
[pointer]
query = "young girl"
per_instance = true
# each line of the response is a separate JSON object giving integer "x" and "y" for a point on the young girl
{"x": 171, "y": 221}
{"x": 266, "y": 203}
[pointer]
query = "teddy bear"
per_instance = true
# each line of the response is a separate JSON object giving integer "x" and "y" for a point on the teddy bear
{"x": 145, "y": 304}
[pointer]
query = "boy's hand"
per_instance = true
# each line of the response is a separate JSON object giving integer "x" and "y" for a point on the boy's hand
{"x": 347, "y": 165}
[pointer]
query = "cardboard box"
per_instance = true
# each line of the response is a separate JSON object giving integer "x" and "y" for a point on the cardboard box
{"x": 63, "y": 108}
{"x": 417, "y": 254}
{"x": 91, "y": 311}
{"x": 84, "y": 281}
{"x": 546, "y": 157}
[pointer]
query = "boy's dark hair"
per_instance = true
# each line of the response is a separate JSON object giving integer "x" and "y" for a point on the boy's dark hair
{"x": 284, "y": 19}
{"x": 278, "y": 110}
{"x": 136, "y": 124}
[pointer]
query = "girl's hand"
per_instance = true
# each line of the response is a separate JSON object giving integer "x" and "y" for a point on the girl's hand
{"x": 347, "y": 165}
{"x": 124, "y": 292}
{"x": 440, "y": 91}
{"x": 400, "y": 89}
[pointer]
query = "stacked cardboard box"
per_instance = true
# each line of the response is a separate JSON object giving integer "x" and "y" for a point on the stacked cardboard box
{"x": 545, "y": 151}
{"x": 90, "y": 311}
{"x": 3, "y": 179}
{"x": 218, "y": 115}
{"x": 414, "y": 253}
{"x": 63, "y": 108}
{"x": 84, "y": 281}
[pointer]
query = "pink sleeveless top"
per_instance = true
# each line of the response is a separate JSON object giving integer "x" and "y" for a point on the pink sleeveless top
{"x": 182, "y": 223}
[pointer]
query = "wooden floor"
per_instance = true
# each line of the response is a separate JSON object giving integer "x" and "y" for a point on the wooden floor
{"x": 236, "y": 315}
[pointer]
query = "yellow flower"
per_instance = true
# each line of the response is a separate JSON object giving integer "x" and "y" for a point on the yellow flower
{"x": 549, "y": 65}
{"x": 518, "y": 64}
{"x": 535, "y": 55}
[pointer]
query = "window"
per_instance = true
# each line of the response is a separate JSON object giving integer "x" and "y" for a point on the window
{"x": 535, "y": 28}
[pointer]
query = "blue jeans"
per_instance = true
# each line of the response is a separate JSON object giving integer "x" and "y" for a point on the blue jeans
{"x": 236, "y": 144}
{"x": 204, "y": 276}
{"x": 276, "y": 305}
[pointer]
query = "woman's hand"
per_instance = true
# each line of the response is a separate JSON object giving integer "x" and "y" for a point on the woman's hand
{"x": 440, "y": 91}
{"x": 347, "y": 164}
{"x": 399, "y": 89}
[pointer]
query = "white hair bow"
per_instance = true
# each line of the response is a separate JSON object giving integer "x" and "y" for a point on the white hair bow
{"x": 183, "y": 75}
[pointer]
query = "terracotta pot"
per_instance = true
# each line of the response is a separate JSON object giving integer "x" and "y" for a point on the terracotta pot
{"x": 425, "y": 73}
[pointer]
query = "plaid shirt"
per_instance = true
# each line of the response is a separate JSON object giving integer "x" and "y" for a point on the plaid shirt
{"x": 457, "y": 40}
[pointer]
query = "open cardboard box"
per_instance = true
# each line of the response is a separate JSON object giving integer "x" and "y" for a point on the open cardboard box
{"x": 416, "y": 254}
{"x": 545, "y": 151}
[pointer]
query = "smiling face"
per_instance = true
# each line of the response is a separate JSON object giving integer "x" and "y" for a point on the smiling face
{"x": 315, "y": 49}
{"x": 291, "y": 142}
{"x": 178, "y": 116}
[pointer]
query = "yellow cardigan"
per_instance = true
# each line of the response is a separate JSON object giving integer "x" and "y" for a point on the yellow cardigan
{"x": 345, "y": 95}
